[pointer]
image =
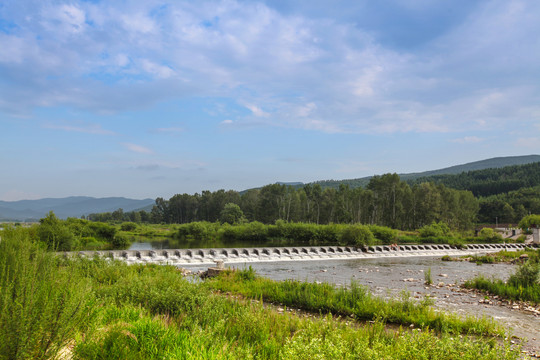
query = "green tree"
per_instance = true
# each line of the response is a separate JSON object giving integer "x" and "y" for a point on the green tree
{"x": 529, "y": 221}
{"x": 232, "y": 214}
{"x": 55, "y": 234}
{"x": 357, "y": 234}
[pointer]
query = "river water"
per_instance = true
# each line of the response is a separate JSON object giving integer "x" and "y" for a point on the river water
{"x": 388, "y": 277}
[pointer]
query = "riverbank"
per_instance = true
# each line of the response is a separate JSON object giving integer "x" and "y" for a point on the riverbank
{"x": 152, "y": 312}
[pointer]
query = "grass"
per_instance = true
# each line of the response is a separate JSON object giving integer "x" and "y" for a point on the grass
{"x": 109, "y": 310}
{"x": 505, "y": 290}
{"x": 356, "y": 301}
{"x": 42, "y": 302}
{"x": 498, "y": 257}
{"x": 428, "y": 279}
{"x": 523, "y": 285}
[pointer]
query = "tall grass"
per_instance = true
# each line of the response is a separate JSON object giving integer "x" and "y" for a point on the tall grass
{"x": 428, "y": 279}
{"x": 356, "y": 301}
{"x": 152, "y": 313}
{"x": 523, "y": 285}
{"x": 42, "y": 303}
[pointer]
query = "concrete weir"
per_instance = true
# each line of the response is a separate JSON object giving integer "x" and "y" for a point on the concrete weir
{"x": 243, "y": 255}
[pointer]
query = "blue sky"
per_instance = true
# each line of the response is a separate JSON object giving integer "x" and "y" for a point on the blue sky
{"x": 148, "y": 98}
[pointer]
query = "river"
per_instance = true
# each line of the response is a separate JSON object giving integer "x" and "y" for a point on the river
{"x": 388, "y": 277}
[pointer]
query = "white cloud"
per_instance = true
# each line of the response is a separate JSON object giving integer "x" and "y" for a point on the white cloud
{"x": 82, "y": 128}
{"x": 138, "y": 22}
{"x": 121, "y": 60}
{"x": 528, "y": 142}
{"x": 306, "y": 110}
{"x": 227, "y": 122}
{"x": 72, "y": 16}
{"x": 257, "y": 111}
{"x": 161, "y": 71}
{"x": 169, "y": 130}
{"x": 137, "y": 148}
{"x": 468, "y": 140}
{"x": 480, "y": 72}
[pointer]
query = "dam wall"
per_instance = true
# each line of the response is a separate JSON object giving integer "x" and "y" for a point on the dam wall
{"x": 300, "y": 253}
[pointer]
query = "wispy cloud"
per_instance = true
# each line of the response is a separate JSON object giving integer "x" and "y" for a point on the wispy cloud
{"x": 528, "y": 142}
{"x": 168, "y": 130}
{"x": 256, "y": 110}
{"x": 137, "y": 148}
{"x": 468, "y": 140}
{"x": 82, "y": 128}
{"x": 104, "y": 57}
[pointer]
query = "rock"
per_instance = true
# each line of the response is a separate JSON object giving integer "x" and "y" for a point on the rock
{"x": 443, "y": 275}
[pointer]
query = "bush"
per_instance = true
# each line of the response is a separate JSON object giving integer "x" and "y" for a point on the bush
{"x": 526, "y": 275}
{"x": 439, "y": 229}
{"x": 232, "y": 214}
{"x": 103, "y": 231}
{"x": 529, "y": 222}
{"x": 302, "y": 233}
{"x": 128, "y": 226}
{"x": 488, "y": 234}
{"x": 384, "y": 234}
{"x": 357, "y": 235}
{"x": 328, "y": 234}
{"x": 120, "y": 242}
{"x": 55, "y": 234}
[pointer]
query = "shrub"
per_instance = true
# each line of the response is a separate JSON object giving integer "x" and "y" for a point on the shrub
{"x": 328, "y": 234}
{"x": 42, "y": 302}
{"x": 529, "y": 221}
{"x": 435, "y": 229}
{"x": 303, "y": 233}
{"x": 356, "y": 235}
{"x": 428, "y": 280}
{"x": 120, "y": 242}
{"x": 55, "y": 234}
{"x": 103, "y": 231}
{"x": 488, "y": 234}
{"x": 128, "y": 226}
{"x": 526, "y": 275}
{"x": 384, "y": 234}
{"x": 232, "y": 214}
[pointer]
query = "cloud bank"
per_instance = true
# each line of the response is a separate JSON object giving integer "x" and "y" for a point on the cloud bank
{"x": 300, "y": 65}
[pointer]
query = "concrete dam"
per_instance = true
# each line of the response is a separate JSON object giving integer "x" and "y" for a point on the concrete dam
{"x": 300, "y": 253}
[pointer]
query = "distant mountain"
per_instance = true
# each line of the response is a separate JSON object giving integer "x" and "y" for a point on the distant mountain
{"x": 73, "y": 206}
{"x": 493, "y": 163}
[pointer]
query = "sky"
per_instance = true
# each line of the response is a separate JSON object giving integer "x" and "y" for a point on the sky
{"x": 151, "y": 98}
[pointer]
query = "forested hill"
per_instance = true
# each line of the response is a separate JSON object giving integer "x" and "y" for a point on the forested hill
{"x": 493, "y": 163}
{"x": 488, "y": 181}
{"x": 73, "y": 206}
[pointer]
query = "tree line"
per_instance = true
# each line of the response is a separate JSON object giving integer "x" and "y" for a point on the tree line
{"x": 488, "y": 182}
{"x": 385, "y": 201}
